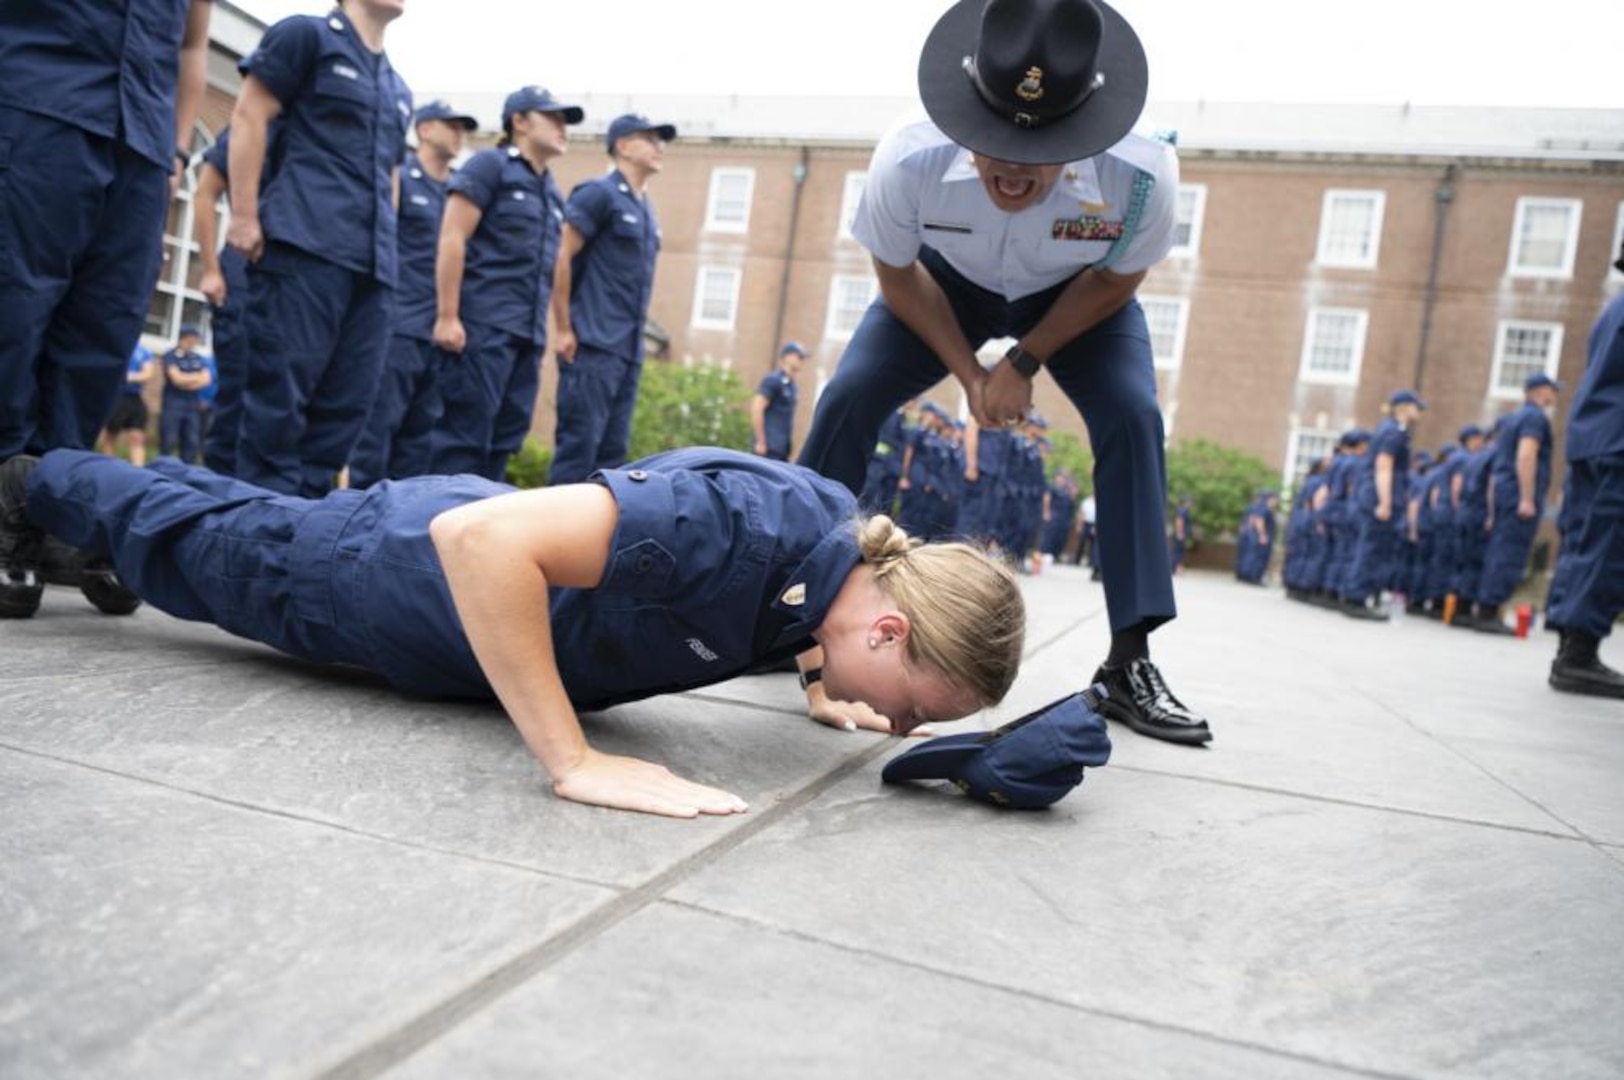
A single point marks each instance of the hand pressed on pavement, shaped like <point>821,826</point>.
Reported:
<point>624,783</point>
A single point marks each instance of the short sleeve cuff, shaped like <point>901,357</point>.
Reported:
<point>477,180</point>
<point>641,560</point>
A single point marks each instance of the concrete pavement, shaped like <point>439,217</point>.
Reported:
<point>1402,856</point>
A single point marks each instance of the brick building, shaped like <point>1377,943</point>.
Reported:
<point>1327,256</point>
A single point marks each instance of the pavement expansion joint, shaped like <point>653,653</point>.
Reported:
<point>1029,995</point>
<point>417,1033</point>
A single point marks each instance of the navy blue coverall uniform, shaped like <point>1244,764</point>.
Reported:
<point>395,441</point>
<point>885,466</point>
<point>1587,592</point>
<point>611,280</point>
<point>320,297</point>
<point>87,146</point>
<point>705,573</point>
<point>488,391</point>
<point>1375,543</point>
<point>1510,539</point>
<point>978,511</point>
<point>180,424</point>
<point>778,422</point>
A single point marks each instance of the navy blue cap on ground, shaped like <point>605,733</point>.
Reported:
<point>1026,764</point>
<point>1406,397</point>
<point>1539,379</point>
<point>793,347</point>
<point>539,99</point>
<point>631,124</point>
<point>439,110</point>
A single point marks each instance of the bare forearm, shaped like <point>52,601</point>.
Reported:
<point>448,267</point>
<point>1527,468</point>
<point>563,281</point>
<point>1384,480</point>
<point>758,417</point>
<point>245,163</point>
<point>192,78</point>
<point>1090,298</point>
<point>914,297</point>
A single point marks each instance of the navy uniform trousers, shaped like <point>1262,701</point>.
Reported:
<point>397,439</point>
<point>1587,591</point>
<point>81,240</point>
<point>1505,556</point>
<point>1108,375</point>
<point>597,395</point>
<point>228,327</point>
<point>349,579</point>
<point>487,395</point>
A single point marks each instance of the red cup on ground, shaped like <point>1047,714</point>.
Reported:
<point>1525,618</point>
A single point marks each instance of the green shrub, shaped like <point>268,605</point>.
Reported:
<point>529,467</point>
<point>690,405</point>
<point>1072,454</point>
<point>1221,482</point>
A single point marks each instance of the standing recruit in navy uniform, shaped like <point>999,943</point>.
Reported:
<point>493,281</point>
<point>395,441</point>
<point>1587,592</point>
<point>601,290</point>
<point>1024,207</point>
<point>319,239</point>
<point>97,105</point>
<point>772,406</point>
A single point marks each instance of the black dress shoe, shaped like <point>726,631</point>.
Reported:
<point>102,587</point>
<point>1578,670</point>
<point>21,584</point>
<point>1139,697</point>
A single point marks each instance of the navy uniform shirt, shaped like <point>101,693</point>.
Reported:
<point>992,452</point>
<point>1527,422</point>
<point>779,388</point>
<point>108,67</point>
<point>422,208</point>
<point>345,114</point>
<point>1596,422</point>
<point>613,276</point>
<point>1474,489</point>
<point>1388,438</point>
<point>190,363</point>
<point>507,278</point>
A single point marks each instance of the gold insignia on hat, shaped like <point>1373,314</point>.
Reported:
<point>795,595</point>
<point>1031,87</point>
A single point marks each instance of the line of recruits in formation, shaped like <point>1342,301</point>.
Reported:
<point>340,342</point>
<point>1448,535</point>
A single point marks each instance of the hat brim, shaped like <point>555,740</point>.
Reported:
<point>938,759</point>
<point>956,107</point>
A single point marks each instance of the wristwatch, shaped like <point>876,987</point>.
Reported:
<point>1022,361</point>
<point>811,676</point>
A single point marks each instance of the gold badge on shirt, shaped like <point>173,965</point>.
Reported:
<point>795,595</point>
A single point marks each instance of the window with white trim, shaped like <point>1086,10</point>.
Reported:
<point>1613,272</point>
<point>1334,346</point>
<point>1304,447</point>
<point>176,301</point>
<point>1351,228</point>
<point>1167,317</point>
<point>1544,237</point>
<point>1189,213</point>
<point>850,198</point>
<point>716,297</point>
<point>728,207</point>
<point>1521,349</point>
<point>849,298</point>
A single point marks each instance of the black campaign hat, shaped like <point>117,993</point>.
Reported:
<point>1033,82</point>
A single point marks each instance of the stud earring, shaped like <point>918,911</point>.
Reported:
<point>873,644</point>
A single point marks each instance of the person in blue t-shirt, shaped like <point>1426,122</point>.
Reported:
<point>675,573</point>
<point>772,408</point>
<point>187,374</point>
<point>601,291</point>
<point>493,283</point>
<point>98,102</point>
<point>319,237</point>
<point>396,439</point>
<point>1587,591</point>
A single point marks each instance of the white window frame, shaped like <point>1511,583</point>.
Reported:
<point>1323,256</point>
<point>851,196</point>
<point>832,331</point>
<point>1290,478</point>
<point>1613,272</point>
<point>1570,247</point>
<point>1307,374</point>
<point>1553,355</point>
<point>1176,360</point>
<point>1198,217</point>
<point>699,322</point>
<point>719,176</point>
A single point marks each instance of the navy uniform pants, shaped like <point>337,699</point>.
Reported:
<point>1587,592</point>
<point>316,339</point>
<point>397,438</point>
<point>596,397</point>
<point>1505,556</point>
<point>180,430</point>
<point>350,579</point>
<point>487,396</point>
<point>230,331</point>
<point>1375,547</point>
<point>1471,542</point>
<point>81,240</point>
<point>978,509</point>
<point>1108,375</point>
<point>1440,577</point>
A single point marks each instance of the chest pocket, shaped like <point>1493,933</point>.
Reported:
<point>516,220</point>
<point>628,231</point>
<point>341,100</point>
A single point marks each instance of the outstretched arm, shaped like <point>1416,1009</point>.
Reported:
<point>500,557</point>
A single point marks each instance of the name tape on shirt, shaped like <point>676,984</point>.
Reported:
<point>1087,227</point>
<point>342,69</point>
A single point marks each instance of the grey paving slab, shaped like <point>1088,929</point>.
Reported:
<point>317,743</point>
<point>1363,938</point>
<point>150,933</point>
<point>728,999</point>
